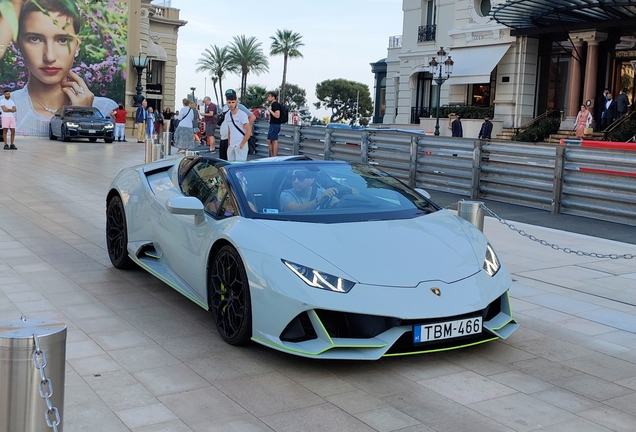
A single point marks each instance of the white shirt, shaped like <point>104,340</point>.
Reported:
<point>240,120</point>
<point>223,127</point>
<point>9,104</point>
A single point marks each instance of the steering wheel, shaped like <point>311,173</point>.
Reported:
<point>341,192</point>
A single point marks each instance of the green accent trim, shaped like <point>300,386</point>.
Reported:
<point>313,311</point>
<point>155,256</point>
<point>283,347</point>
<point>442,349</point>
<point>167,282</point>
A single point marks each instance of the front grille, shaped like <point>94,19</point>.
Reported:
<point>92,126</point>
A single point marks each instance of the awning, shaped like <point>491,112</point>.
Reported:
<point>520,14</point>
<point>156,52</point>
<point>475,64</point>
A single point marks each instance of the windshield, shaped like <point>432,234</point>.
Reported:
<point>315,191</point>
<point>86,113</point>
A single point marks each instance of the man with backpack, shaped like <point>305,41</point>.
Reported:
<point>277,115</point>
<point>210,117</point>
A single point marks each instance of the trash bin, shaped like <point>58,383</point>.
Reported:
<point>23,404</point>
<point>473,212</point>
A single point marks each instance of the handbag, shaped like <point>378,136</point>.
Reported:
<point>219,122</point>
<point>588,131</point>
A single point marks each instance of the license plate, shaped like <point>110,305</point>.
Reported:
<point>446,330</point>
<point>90,131</point>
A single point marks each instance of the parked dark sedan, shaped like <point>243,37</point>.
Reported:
<point>81,122</point>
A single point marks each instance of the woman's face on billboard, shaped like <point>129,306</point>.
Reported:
<point>48,45</point>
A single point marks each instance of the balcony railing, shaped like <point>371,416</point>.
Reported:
<point>395,41</point>
<point>426,33</point>
<point>417,112</point>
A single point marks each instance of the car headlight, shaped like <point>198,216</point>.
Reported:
<point>109,126</point>
<point>491,262</point>
<point>318,279</point>
<point>72,125</point>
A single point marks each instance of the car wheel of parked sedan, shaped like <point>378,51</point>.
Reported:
<point>230,301</point>
<point>117,234</point>
<point>63,134</point>
<point>108,140</point>
<point>92,139</point>
<point>51,136</point>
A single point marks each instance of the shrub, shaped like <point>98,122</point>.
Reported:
<point>465,111</point>
<point>539,131</point>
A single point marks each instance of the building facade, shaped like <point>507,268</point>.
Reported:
<point>521,59</point>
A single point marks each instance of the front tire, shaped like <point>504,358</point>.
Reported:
<point>108,140</point>
<point>64,136</point>
<point>51,136</point>
<point>117,234</point>
<point>92,139</point>
<point>230,300</point>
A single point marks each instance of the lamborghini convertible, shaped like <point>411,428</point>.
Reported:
<point>320,259</point>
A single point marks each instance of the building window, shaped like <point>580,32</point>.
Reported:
<point>426,31</point>
<point>423,95</point>
<point>482,7</point>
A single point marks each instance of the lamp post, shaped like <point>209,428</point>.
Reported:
<point>140,63</point>
<point>436,68</point>
<point>193,89</point>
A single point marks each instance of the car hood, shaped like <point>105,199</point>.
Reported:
<point>399,253</point>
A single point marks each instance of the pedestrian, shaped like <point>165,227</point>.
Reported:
<point>239,130</point>
<point>609,113</point>
<point>150,122</point>
<point>183,135</point>
<point>8,119</point>
<point>456,127</point>
<point>140,121</point>
<point>223,128</point>
<point>158,122</point>
<point>274,110</point>
<point>119,114</point>
<point>210,117</point>
<point>622,103</point>
<point>486,128</point>
<point>600,107</point>
<point>167,117</point>
<point>583,121</point>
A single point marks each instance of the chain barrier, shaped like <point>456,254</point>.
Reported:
<point>46,387</point>
<point>567,250</point>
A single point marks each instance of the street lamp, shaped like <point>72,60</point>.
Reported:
<point>140,63</point>
<point>193,89</point>
<point>436,68</point>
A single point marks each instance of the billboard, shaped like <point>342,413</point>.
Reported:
<point>55,53</point>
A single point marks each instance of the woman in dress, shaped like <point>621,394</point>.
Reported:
<point>150,122</point>
<point>583,120</point>
<point>49,44</point>
<point>183,135</point>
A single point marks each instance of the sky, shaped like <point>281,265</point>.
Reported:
<point>341,39</point>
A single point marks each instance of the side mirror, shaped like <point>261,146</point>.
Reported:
<point>423,193</point>
<point>57,115</point>
<point>187,206</point>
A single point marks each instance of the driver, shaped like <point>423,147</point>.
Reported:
<point>305,195</point>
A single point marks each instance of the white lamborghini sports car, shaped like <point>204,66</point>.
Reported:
<point>315,258</point>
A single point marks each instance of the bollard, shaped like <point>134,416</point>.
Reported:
<point>148,157</point>
<point>156,152</point>
<point>27,377</point>
<point>167,148</point>
<point>473,212</point>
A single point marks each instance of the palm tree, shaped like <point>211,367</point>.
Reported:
<point>217,62</point>
<point>215,80</point>
<point>247,56</point>
<point>286,42</point>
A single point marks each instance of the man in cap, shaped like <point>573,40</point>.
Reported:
<point>223,129</point>
<point>456,127</point>
<point>486,128</point>
<point>239,129</point>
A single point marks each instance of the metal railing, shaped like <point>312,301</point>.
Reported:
<point>591,182</point>
<point>537,119</point>
<point>617,123</point>
<point>426,33</point>
<point>395,41</point>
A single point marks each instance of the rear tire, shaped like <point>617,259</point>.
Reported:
<point>117,234</point>
<point>230,300</point>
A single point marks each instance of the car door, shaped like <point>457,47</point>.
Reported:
<point>185,244</point>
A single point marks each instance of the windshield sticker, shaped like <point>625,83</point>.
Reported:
<point>270,210</point>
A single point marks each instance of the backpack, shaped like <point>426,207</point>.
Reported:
<point>284,114</point>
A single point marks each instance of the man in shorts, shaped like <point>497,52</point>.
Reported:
<point>8,120</point>
<point>274,123</point>
<point>210,118</point>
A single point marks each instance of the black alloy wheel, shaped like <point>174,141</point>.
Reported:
<point>230,300</point>
<point>117,234</point>
<point>108,140</point>
<point>92,139</point>
<point>63,134</point>
<point>51,136</point>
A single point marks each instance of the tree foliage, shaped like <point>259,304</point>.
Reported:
<point>287,44</point>
<point>295,97</point>
<point>247,56</point>
<point>217,62</point>
<point>255,96</point>
<point>349,101</point>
